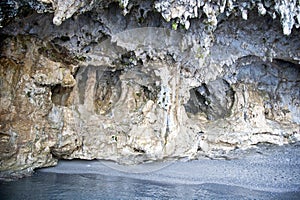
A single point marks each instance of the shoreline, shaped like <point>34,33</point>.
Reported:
<point>276,170</point>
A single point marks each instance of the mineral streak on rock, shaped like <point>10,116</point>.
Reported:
<point>106,84</point>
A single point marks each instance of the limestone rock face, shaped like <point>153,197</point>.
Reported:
<point>102,85</point>
<point>26,135</point>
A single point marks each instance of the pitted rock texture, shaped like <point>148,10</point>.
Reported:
<point>180,11</point>
<point>132,89</point>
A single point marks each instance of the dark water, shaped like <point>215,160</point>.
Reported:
<point>273,174</point>
<point>44,185</point>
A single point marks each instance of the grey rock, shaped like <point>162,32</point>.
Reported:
<point>116,82</point>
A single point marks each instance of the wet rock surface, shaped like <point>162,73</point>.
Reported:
<point>130,88</point>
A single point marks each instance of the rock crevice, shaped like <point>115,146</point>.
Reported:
<point>130,88</point>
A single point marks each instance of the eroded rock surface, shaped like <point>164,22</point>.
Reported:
<point>130,89</point>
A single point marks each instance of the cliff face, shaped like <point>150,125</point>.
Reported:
<point>134,82</point>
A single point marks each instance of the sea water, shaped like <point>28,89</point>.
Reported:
<point>43,185</point>
<point>273,173</point>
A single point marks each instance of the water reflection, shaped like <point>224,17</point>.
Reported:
<point>91,186</point>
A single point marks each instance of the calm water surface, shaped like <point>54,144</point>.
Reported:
<point>94,186</point>
<point>273,174</point>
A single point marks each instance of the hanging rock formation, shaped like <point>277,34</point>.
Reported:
<point>134,81</point>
